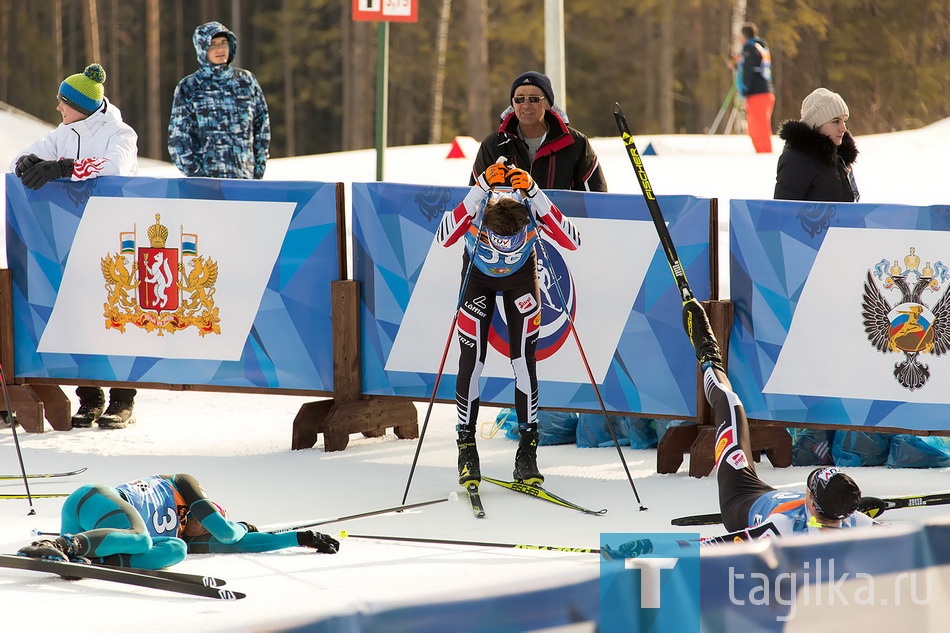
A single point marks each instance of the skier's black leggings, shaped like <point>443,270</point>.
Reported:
<point>522,308</point>
<point>739,485</point>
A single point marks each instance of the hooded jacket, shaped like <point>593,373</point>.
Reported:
<point>812,167</point>
<point>100,145</point>
<point>565,159</point>
<point>219,125</point>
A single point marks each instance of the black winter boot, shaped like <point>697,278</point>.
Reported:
<point>526,459</point>
<point>92,401</point>
<point>469,469</point>
<point>119,414</point>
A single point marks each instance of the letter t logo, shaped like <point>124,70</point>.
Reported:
<point>650,571</point>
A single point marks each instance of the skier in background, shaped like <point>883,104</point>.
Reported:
<point>754,83</point>
<point>154,522</point>
<point>499,258</point>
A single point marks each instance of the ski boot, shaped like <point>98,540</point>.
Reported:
<point>59,549</point>
<point>526,459</point>
<point>696,324</point>
<point>469,469</point>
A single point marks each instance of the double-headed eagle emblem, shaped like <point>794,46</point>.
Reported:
<point>909,327</point>
<point>152,289</point>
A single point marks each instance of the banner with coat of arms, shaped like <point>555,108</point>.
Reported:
<point>842,313</point>
<point>111,283</point>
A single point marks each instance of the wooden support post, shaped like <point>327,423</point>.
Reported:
<point>33,404</point>
<point>348,412</point>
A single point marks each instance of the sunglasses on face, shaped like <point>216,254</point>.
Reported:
<point>531,99</point>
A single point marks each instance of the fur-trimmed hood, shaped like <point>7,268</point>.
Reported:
<point>806,139</point>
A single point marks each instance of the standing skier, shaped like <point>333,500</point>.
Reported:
<point>500,232</point>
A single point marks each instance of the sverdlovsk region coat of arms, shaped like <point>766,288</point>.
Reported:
<point>909,327</point>
<point>151,289</point>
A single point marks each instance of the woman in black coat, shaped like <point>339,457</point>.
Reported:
<point>816,163</point>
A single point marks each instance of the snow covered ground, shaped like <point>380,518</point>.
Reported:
<point>239,447</point>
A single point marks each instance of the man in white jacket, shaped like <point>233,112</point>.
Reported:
<point>92,141</point>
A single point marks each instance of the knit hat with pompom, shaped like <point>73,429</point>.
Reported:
<point>84,92</point>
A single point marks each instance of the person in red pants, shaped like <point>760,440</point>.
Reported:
<point>754,82</point>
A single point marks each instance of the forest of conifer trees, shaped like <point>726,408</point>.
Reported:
<point>665,60</point>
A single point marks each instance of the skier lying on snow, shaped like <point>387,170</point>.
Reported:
<point>155,522</point>
<point>752,509</point>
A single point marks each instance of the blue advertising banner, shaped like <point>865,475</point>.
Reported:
<point>176,281</point>
<point>616,287</point>
<point>842,313</point>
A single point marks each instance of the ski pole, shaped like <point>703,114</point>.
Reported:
<point>676,267</point>
<point>453,497</point>
<point>437,541</point>
<point>16,440</point>
<point>580,349</point>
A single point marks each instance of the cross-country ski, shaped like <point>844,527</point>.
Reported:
<point>119,575</point>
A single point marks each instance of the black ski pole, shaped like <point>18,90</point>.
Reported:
<point>679,275</point>
<point>16,440</point>
<point>437,541</point>
<point>580,349</point>
<point>400,508</point>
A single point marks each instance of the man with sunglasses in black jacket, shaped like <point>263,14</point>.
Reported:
<point>535,136</point>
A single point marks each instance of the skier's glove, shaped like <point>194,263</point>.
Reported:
<point>496,174</point>
<point>24,163</point>
<point>45,171</point>
<point>321,542</point>
<point>521,180</point>
<point>250,528</point>
<point>632,549</point>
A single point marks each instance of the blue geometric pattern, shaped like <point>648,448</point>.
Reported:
<point>289,344</point>
<point>773,247</point>
<point>653,368</point>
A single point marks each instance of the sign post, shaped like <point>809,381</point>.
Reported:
<point>383,12</point>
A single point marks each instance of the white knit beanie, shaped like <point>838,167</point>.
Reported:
<point>821,106</point>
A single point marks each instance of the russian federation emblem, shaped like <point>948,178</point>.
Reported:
<point>908,327</point>
<point>152,288</point>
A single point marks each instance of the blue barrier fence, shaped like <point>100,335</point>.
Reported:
<point>617,285</point>
<point>176,281</point>
<point>842,315</point>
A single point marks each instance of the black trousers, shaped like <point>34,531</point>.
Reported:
<point>739,485</point>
